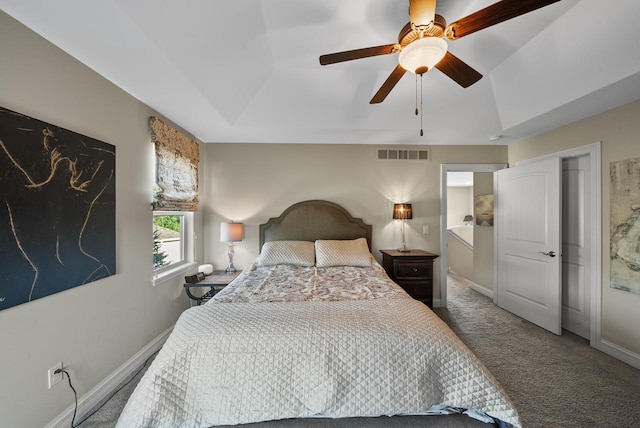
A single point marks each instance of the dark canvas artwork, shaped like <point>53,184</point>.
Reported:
<point>57,209</point>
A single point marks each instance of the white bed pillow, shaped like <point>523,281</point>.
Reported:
<point>353,252</point>
<point>298,253</point>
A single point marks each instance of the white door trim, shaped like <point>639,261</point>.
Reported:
<point>444,169</point>
<point>595,256</point>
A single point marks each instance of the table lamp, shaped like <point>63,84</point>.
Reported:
<point>231,232</point>
<point>402,212</point>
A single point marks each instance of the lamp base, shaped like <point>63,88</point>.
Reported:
<point>230,268</point>
<point>404,248</point>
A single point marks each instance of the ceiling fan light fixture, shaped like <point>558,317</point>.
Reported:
<point>423,54</point>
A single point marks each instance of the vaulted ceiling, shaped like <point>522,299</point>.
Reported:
<point>248,70</point>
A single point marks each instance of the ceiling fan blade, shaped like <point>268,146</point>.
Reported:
<point>458,70</point>
<point>422,12</point>
<point>492,15</point>
<point>388,85</point>
<point>357,54</point>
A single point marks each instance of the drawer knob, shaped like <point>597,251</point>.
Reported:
<point>415,269</point>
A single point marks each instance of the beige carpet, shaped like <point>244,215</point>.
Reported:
<point>555,381</point>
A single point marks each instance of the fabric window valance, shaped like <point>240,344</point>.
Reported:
<point>177,158</point>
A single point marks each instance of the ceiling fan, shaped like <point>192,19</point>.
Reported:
<point>422,46</point>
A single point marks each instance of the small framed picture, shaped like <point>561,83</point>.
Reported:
<point>484,210</point>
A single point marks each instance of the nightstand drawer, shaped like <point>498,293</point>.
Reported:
<point>418,289</point>
<point>413,269</point>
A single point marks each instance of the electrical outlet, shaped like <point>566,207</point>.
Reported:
<point>55,377</point>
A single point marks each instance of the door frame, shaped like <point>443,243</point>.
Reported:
<point>595,254</point>
<point>444,169</point>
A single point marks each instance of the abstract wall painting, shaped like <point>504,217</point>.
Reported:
<point>57,209</point>
<point>625,225</point>
<point>484,210</point>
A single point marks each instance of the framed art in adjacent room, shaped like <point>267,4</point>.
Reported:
<point>484,210</point>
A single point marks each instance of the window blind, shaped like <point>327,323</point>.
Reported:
<point>177,158</point>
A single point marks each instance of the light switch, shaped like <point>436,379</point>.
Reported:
<point>425,230</point>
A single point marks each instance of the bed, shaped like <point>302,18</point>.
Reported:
<point>315,329</point>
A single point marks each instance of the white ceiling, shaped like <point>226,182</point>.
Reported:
<point>248,70</point>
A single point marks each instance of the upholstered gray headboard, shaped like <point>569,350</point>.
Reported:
<point>311,220</point>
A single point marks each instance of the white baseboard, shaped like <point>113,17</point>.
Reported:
<point>620,353</point>
<point>102,390</point>
<point>482,290</point>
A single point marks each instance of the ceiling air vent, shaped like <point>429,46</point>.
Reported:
<point>403,154</point>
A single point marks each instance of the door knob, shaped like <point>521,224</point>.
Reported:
<point>550,253</point>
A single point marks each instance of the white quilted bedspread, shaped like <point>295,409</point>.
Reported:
<point>237,363</point>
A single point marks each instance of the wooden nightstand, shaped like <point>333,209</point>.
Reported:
<point>411,270</point>
<point>216,282</point>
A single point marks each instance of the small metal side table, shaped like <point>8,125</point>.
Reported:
<point>216,282</point>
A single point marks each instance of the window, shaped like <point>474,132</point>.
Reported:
<point>171,240</point>
<point>175,198</point>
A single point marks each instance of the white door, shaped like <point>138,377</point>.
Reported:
<point>528,221</point>
<point>576,242</point>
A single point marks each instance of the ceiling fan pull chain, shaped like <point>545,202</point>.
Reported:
<point>421,106</point>
<point>416,94</point>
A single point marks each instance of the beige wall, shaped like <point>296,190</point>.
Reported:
<point>459,258</point>
<point>94,328</point>
<point>253,182</point>
<point>459,204</point>
<point>482,236</point>
<point>619,132</point>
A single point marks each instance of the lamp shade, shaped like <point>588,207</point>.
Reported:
<point>402,212</point>
<point>423,54</point>
<point>468,218</point>
<point>231,232</point>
